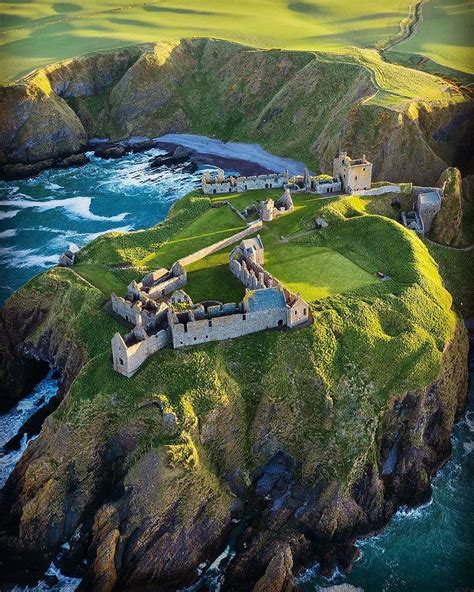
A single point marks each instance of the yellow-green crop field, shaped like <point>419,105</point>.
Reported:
<point>35,33</point>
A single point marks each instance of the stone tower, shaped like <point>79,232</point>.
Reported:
<point>266,210</point>
<point>355,174</point>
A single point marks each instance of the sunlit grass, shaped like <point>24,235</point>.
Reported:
<point>38,33</point>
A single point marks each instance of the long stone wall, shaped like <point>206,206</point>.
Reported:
<point>226,327</point>
<point>251,229</point>
<point>252,275</point>
<point>378,190</point>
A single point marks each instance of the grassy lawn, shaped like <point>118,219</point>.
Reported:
<point>445,35</point>
<point>102,278</point>
<point>211,279</point>
<point>38,33</point>
<point>313,271</point>
<point>214,225</point>
<point>316,272</point>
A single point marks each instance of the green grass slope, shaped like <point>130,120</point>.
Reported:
<point>318,391</point>
<point>38,33</point>
<point>444,35</point>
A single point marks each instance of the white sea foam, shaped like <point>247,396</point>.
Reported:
<point>13,258</point>
<point>8,233</point>
<point>8,214</point>
<point>53,186</point>
<point>75,206</point>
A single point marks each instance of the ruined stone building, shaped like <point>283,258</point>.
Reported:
<point>222,184</point>
<point>268,209</point>
<point>150,307</point>
<point>427,205</point>
<point>354,174</point>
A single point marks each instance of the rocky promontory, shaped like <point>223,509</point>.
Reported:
<point>307,439</point>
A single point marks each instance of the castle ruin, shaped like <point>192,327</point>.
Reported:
<point>222,184</point>
<point>161,314</point>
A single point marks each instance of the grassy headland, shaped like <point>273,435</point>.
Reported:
<point>330,382</point>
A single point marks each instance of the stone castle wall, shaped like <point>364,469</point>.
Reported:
<point>226,327</point>
<point>127,359</point>
<point>379,190</point>
<point>241,184</point>
<point>254,227</point>
<point>252,275</point>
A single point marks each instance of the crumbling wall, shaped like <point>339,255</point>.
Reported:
<point>226,327</point>
<point>251,229</point>
<point>127,359</point>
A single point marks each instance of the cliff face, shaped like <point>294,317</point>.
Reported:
<point>299,104</point>
<point>153,521</point>
<point>144,476</point>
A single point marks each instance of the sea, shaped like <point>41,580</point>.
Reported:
<point>428,549</point>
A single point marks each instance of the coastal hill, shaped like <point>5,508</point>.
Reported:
<point>412,125</point>
<point>312,437</point>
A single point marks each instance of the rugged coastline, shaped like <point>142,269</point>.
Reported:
<point>290,522</point>
<point>134,92</point>
<point>296,435</point>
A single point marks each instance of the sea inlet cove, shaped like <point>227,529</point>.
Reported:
<point>237,296</point>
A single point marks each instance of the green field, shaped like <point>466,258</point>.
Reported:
<point>39,33</point>
<point>445,34</point>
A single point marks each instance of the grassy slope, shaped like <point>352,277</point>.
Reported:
<point>35,34</point>
<point>445,35</point>
<point>329,382</point>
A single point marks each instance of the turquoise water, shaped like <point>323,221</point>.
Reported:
<point>43,216</point>
<point>428,549</point>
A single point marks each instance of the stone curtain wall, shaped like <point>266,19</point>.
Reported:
<point>253,276</point>
<point>378,190</point>
<point>226,327</point>
<point>251,229</point>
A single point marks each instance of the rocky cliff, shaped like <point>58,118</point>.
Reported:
<point>300,104</point>
<point>307,436</point>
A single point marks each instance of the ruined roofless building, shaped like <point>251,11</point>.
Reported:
<point>355,174</point>
<point>222,184</point>
<point>427,206</point>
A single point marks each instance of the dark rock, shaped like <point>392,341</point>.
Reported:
<point>75,160</point>
<point>10,172</point>
<point>109,152</point>
<point>142,146</point>
<point>51,580</point>
<point>181,153</point>
<point>179,156</point>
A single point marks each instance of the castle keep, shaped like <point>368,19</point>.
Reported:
<point>354,174</point>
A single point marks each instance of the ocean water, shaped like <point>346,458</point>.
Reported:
<point>43,216</point>
<point>427,549</point>
<point>430,548</point>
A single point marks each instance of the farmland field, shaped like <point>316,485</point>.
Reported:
<point>445,34</point>
<point>42,32</point>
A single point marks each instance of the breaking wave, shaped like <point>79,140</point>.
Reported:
<point>8,233</point>
<point>75,206</point>
<point>8,214</point>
